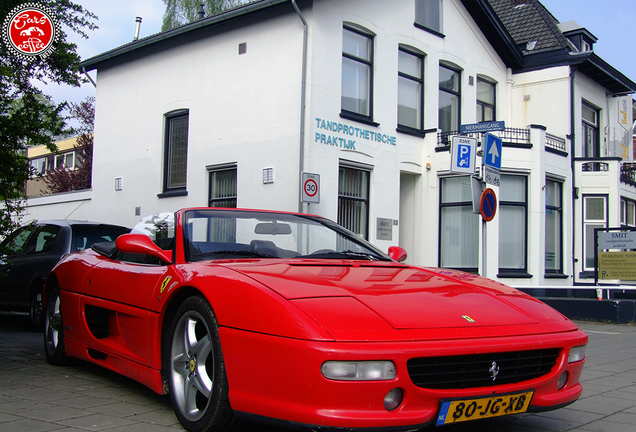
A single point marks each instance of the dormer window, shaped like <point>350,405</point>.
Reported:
<point>582,39</point>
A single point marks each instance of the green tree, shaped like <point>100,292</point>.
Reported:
<point>180,12</point>
<point>27,115</point>
<point>63,179</point>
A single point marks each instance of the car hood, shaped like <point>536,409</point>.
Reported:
<point>355,298</point>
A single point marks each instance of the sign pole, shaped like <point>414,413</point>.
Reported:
<point>484,248</point>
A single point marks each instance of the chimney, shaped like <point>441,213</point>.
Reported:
<point>137,27</point>
<point>201,13</point>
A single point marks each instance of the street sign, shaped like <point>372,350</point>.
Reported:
<point>482,127</point>
<point>310,186</point>
<point>492,151</point>
<point>488,204</point>
<point>492,176</point>
<point>463,151</point>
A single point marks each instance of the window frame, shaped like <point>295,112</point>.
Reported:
<point>467,207</point>
<point>168,190</point>
<point>591,150</point>
<point>360,168</point>
<point>369,65</point>
<point>421,7</point>
<point>557,207</point>
<point>417,131</point>
<point>505,272</point>
<point>628,213</point>
<point>589,271</point>
<point>212,185</point>
<point>457,93</point>
<point>483,105</point>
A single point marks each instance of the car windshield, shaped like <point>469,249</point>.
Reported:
<point>221,234</point>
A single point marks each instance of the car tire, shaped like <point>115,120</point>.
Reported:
<point>36,309</point>
<point>54,330</point>
<point>196,376</point>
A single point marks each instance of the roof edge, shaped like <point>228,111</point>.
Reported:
<point>93,62</point>
<point>496,33</point>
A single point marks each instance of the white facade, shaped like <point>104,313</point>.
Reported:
<point>245,110</point>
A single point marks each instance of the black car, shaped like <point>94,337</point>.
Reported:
<point>30,252</point>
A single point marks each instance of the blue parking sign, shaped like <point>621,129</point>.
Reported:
<point>463,150</point>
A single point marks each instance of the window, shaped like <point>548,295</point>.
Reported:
<point>223,188</point>
<point>69,160</point>
<point>46,164</point>
<point>449,99</point>
<point>590,131</point>
<point>485,100</point>
<point>513,218</point>
<point>38,166</point>
<point>628,213</point>
<point>594,216</point>
<point>553,227</point>
<point>410,91</point>
<point>357,75</point>
<point>353,200</point>
<point>176,153</point>
<point>428,15</point>
<point>459,226</point>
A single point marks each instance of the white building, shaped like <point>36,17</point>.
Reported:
<point>231,109</point>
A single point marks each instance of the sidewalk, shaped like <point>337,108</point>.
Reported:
<point>35,396</point>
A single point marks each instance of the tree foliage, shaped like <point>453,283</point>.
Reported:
<point>180,12</point>
<point>27,115</point>
<point>62,179</point>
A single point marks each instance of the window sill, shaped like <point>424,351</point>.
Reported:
<point>173,193</point>
<point>511,274</point>
<point>420,133</point>
<point>556,276</point>
<point>358,118</point>
<point>430,30</point>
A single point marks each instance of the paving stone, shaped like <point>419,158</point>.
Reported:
<point>36,396</point>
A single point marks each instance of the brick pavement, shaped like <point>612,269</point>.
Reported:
<point>35,396</point>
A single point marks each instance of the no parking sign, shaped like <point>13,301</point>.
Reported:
<point>310,188</point>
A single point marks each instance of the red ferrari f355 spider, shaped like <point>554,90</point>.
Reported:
<point>291,319</point>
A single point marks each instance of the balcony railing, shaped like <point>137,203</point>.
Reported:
<point>555,143</point>
<point>628,174</point>
<point>512,137</point>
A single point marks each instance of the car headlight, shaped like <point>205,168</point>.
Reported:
<point>359,370</point>
<point>577,354</point>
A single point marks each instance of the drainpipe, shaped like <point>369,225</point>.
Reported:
<point>573,167</point>
<point>303,98</point>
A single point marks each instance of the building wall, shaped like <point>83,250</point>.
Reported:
<point>246,110</point>
<point>241,108</point>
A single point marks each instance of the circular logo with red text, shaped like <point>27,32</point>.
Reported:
<point>31,31</point>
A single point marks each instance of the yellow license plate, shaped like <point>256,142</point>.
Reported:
<point>459,410</point>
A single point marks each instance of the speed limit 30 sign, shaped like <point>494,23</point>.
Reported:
<point>310,188</point>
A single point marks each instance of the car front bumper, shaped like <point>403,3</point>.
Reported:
<point>280,378</point>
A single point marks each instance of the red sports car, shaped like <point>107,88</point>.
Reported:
<point>291,319</point>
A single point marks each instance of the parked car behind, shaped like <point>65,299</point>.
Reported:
<point>30,252</point>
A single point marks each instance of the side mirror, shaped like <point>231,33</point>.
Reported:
<point>397,253</point>
<point>141,244</point>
